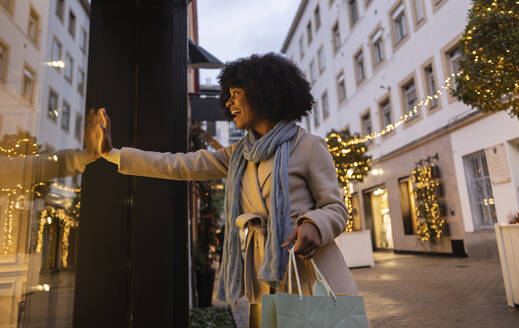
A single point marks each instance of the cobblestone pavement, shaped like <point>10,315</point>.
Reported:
<point>429,291</point>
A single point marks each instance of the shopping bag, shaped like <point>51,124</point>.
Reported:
<point>287,310</point>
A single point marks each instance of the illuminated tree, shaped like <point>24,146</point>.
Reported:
<point>490,61</point>
<point>351,162</point>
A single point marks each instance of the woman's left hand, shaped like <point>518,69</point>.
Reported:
<point>307,238</point>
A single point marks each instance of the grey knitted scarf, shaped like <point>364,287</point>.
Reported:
<point>277,142</point>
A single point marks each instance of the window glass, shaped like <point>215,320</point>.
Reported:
<point>321,60</point>
<point>317,18</point>
<point>326,107</point>
<point>41,138</point>
<point>341,87</point>
<point>336,37</point>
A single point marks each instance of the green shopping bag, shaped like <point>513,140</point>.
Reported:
<point>325,310</point>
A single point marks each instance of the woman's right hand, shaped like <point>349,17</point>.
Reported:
<point>105,127</point>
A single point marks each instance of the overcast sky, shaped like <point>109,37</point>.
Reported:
<point>230,29</point>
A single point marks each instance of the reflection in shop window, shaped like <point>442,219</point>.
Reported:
<point>52,108</point>
<point>65,116</point>
<point>56,52</point>
<point>69,67</point>
<point>72,24</point>
<point>28,83</point>
<point>355,213</point>
<point>80,81</point>
<point>79,124</point>
<point>83,40</point>
<point>4,51</point>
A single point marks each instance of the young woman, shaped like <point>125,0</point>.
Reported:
<point>280,182</point>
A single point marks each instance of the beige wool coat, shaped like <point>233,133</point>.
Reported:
<point>314,195</point>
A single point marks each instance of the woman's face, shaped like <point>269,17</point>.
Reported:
<point>243,115</point>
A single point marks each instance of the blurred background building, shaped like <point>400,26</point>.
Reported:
<point>384,68</point>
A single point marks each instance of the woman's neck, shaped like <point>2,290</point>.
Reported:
<point>263,127</point>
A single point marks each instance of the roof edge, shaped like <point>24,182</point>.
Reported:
<point>295,22</point>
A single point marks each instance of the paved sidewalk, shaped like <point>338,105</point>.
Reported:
<point>429,291</point>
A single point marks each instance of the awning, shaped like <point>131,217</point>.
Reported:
<point>201,58</point>
<point>205,108</point>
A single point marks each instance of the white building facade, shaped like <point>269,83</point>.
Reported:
<point>382,68</point>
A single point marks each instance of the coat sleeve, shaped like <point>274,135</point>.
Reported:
<point>330,214</point>
<point>198,165</point>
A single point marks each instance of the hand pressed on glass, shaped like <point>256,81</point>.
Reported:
<point>98,133</point>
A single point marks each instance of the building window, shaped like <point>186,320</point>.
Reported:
<point>4,53</point>
<point>431,85</point>
<point>410,99</point>
<point>52,105</point>
<point>317,18</point>
<point>341,87</point>
<point>301,47</point>
<point>8,5</point>
<point>69,67</point>
<point>79,126</point>
<point>385,113</point>
<point>313,71</point>
<point>366,124</point>
<point>419,12</point>
<point>454,64</point>
<point>81,82</point>
<point>377,46</point>
<point>308,125</point>
<point>336,37</point>
<point>72,24</point>
<point>399,24</point>
<point>309,32</point>
<point>317,116</point>
<point>28,83</point>
<point>437,4</point>
<point>33,26</point>
<point>60,9</point>
<point>326,107</point>
<point>65,116</point>
<point>321,61</point>
<point>56,52</point>
<point>407,204</point>
<point>83,40</point>
<point>360,73</point>
<point>354,11</point>
<point>479,187</point>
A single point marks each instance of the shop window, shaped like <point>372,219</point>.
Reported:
<point>355,212</point>
<point>407,205</point>
<point>479,188</point>
<point>378,218</point>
